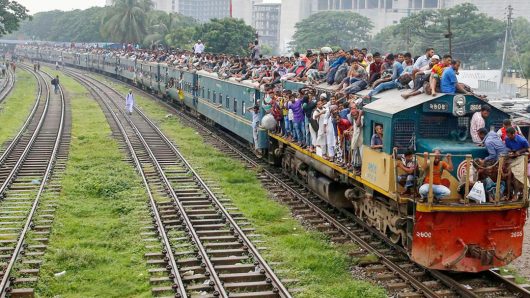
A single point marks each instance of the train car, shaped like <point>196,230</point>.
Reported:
<point>451,235</point>
<point>456,234</point>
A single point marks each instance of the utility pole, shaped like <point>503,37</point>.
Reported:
<point>449,35</point>
<point>508,26</point>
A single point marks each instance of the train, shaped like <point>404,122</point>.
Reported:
<point>455,235</point>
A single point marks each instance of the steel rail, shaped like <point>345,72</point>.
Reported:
<point>177,279</point>
<point>14,170</point>
<point>17,137</point>
<point>29,220</point>
<point>7,86</point>
<point>282,290</point>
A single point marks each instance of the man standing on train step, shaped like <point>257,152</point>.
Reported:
<point>129,102</point>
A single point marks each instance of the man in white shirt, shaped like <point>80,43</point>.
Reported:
<point>129,102</point>
<point>198,48</point>
<point>478,122</point>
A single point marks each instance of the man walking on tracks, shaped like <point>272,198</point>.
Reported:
<point>129,102</point>
<point>55,83</point>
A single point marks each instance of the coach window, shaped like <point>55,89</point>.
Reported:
<point>220,98</point>
<point>376,141</point>
<point>214,97</point>
<point>209,98</point>
<point>243,108</point>
<point>202,92</point>
<point>235,105</point>
<point>227,102</point>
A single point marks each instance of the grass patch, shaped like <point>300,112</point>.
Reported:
<point>509,270</point>
<point>14,110</point>
<point>322,268</point>
<point>96,233</point>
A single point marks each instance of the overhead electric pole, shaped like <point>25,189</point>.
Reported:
<point>508,26</point>
<point>449,35</point>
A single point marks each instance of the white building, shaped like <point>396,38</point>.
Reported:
<point>266,21</point>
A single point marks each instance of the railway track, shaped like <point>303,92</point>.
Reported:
<point>392,268</point>
<point>29,173</point>
<point>199,245</point>
<point>7,85</point>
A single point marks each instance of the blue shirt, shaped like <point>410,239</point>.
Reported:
<point>516,144</point>
<point>397,70</point>
<point>376,140</point>
<point>338,62</point>
<point>344,113</point>
<point>494,145</point>
<point>448,81</point>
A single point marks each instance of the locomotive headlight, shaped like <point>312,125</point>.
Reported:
<point>459,105</point>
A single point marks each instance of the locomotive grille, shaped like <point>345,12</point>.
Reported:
<point>403,133</point>
<point>436,126</point>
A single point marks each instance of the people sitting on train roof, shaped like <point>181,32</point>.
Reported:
<point>439,186</point>
<point>478,121</point>
<point>437,72</point>
<point>406,162</point>
<point>493,144</point>
<point>376,142</point>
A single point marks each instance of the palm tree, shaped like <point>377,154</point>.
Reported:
<point>126,21</point>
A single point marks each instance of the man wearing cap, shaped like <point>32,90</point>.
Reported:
<point>437,71</point>
<point>421,79</point>
<point>198,48</point>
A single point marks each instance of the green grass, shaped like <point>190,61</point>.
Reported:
<point>15,109</point>
<point>321,268</point>
<point>96,233</point>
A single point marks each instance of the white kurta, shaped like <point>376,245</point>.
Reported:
<point>322,121</point>
<point>331,139</point>
<point>129,102</point>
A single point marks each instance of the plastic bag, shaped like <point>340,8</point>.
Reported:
<point>477,193</point>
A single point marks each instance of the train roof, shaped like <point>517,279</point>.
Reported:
<point>390,102</point>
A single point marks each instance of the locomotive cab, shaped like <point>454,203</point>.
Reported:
<point>454,233</point>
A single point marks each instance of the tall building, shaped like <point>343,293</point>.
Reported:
<point>293,11</point>
<point>266,18</point>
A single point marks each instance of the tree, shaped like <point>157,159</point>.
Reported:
<point>126,21</point>
<point>520,34</point>
<point>332,28</point>
<point>11,14</point>
<point>174,30</point>
<point>76,26</point>
<point>227,36</point>
<point>476,39</point>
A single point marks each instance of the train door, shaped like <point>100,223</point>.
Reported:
<point>195,89</point>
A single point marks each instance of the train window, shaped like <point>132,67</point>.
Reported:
<point>235,105</point>
<point>243,108</point>
<point>202,92</point>
<point>227,102</point>
<point>220,98</point>
<point>214,97</point>
<point>209,94</point>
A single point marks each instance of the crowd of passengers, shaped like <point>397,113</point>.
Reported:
<point>331,125</point>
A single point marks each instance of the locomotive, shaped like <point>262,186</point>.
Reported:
<point>455,235</point>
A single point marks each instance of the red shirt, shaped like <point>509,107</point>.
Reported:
<point>343,125</point>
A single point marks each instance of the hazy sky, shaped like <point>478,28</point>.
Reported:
<point>35,6</point>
